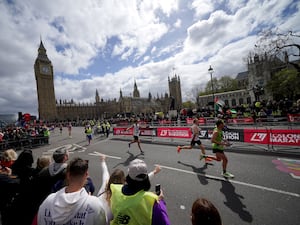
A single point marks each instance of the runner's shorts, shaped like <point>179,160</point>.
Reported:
<point>195,142</point>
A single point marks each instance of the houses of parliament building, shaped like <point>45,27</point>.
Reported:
<point>51,109</point>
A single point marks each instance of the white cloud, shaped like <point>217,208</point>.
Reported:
<point>202,7</point>
<point>137,39</point>
<point>177,24</point>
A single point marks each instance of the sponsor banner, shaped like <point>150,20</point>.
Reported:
<point>274,137</point>
<point>174,132</point>
<point>165,122</point>
<point>247,120</point>
<point>148,132</point>
<point>189,121</point>
<point>143,131</point>
<point>122,131</point>
<point>294,117</point>
<point>236,135</point>
<point>201,120</point>
<point>260,136</point>
<point>285,137</point>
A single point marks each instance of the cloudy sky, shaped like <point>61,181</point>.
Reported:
<point>107,44</point>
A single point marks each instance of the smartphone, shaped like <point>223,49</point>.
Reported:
<point>157,189</point>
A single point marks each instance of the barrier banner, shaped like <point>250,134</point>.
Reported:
<point>294,117</point>
<point>229,134</point>
<point>143,131</point>
<point>285,137</point>
<point>122,131</point>
<point>247,120</point>
<point>201,120</point>
<point>274,137</point>
<point>174,132</point>
<point>189,121</point>
<point>260,136</point>
<point>148,132</point>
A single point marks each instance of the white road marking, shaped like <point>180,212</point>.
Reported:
<point>79,146</point>
<point>108,156</point>
<point>235,181</point>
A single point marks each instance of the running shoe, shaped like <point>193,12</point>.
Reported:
<point>128,145</point>
<point>178,149</point>
<point>142,152</point>
<point>228,175</point>
<point>208,160</point>
<point>202,157</point>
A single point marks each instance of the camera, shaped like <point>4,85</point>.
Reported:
<point>157,189</point>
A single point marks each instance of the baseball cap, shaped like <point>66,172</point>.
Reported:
<point>137,167</point>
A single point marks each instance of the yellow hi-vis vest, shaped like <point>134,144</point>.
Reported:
<point>89,131</point>
<point>131,209</point>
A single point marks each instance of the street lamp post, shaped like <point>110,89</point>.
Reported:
<point>210,71</point>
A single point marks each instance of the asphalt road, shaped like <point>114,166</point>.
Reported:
<point>265,190</point>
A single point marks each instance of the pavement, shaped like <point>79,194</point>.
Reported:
<point>238,147</point>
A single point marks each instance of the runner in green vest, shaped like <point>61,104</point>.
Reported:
<point>218,144</point>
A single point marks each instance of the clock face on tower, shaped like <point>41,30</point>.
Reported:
<point>45,69</point>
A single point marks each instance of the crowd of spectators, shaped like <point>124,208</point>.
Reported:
<point>268,111</point>
<point>28,197</point>
<point>17,137</point>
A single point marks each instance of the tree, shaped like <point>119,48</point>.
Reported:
<point>208,87</point>
<point>285,46</point>
<point>285,84</point>
<point>226,83</point>
<point>189,105</point>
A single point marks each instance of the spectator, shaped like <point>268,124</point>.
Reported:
<point>204,212</point>
<point>132,203</point>
<point>42,184</point>
<point>42,162</point>
<point>89,185</point>
<point>104,193</point>
<point>48,176</point>
<point>117,177</point>
<point>22,167</point>
<point>22,174</point>
<point>72,204</point>
<point>8,157</point>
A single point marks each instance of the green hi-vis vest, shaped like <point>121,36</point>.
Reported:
<point>46,133</point>
<point>89,131</point>
<point>131,209</point>
<point>218,139</point>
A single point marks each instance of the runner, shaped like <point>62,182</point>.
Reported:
<point>136,133</point>
<point>196,140</point>
<point>88,131</point>
<point>218,144</point>
<point>70,129</point>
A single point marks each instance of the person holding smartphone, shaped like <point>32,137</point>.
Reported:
<point>133,203</point>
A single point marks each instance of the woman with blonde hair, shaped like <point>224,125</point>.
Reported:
<point>8,158</point>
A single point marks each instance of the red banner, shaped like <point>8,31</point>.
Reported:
<point>274,137</point>
<point>285,137</point>
<point>174,132</point>
<point>247,120</point>
<point>294,117</point>
<point>143,131</point>
<point>189,120</point>
<point>122,131</point>
<point>201,120</point>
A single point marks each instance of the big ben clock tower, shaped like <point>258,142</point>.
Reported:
<point>43,71</point>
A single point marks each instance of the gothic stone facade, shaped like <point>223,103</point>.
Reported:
<point>50,109</point>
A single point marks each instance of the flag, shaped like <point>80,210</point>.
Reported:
<point>219,105</point>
